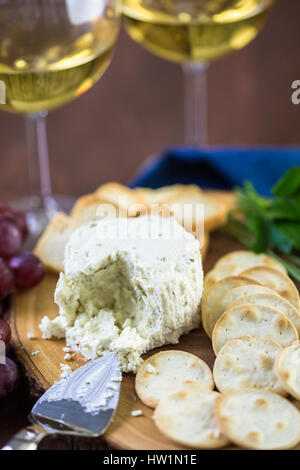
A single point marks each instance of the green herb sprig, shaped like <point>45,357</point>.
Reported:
<point>270,226</point>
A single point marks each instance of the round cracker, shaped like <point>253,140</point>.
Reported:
<point>258,419</point>
<point>258,321</point>
<point>236,262</point>
<point>167,371</point>
<point>231,296</point>
<point>271,299</point>
<point>216,275</point>
<point>275,280</point>
<point>248,362</point>
<point>212,307</point>
<point>188,417</point>
<point>237,293</point>
<point>247,259</point>
<point>287,367</point>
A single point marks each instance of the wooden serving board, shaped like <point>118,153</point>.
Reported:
<point>42,370</point>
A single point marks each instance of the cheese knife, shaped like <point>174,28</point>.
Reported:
<point>82,404</point>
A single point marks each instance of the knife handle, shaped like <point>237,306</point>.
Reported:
<point>26,439</point>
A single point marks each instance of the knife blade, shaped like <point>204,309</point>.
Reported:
<point>82,404</point>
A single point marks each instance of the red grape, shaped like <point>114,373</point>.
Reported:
<point>10,237</point>
<point>6,280</point>
<point>17,217</point>
<point>28,270</point>
<point>9,378</point>
<point>5,332</point>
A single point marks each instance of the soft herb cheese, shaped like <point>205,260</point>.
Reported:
<point>129,285</point>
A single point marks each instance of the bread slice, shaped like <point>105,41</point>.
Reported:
<point>258,419</point>
<point>90,207</point>
<point>216,203</point>
<point>101,204</point>
<point>258,321</point>
<point>51,245</point>
<point>159,195</point>
<point>188,417</point>
<point>288,369</point>
<point>227,198</point>
<point>248,362</point>
<point>192,196</point>
<point>129,202</point>
<point>110,200</point>
<point>166,372</point>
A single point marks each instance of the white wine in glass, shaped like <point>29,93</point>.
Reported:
<point>194,33</point>
<point>51,52</point>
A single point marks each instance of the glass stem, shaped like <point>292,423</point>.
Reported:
<point>36,133</point>
<point>195,105</point>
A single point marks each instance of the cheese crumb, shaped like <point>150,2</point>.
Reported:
<point>35,353</point>
<point>30,335</point>
<point>67,349</point>
<point>52,328</point>
<point>137,413</point>
<point>66,370</point>
<point>68,357</point>
<point>150,369</point>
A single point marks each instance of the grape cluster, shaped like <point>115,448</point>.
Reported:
<point>9,372</point>
<point>18,270</point>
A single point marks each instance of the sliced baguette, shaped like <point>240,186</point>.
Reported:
<point>51,245</point>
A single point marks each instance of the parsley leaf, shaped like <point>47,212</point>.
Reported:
<point>270,225</point>
<point>289,184</point>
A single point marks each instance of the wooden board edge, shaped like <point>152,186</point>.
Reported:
<point>36,382</point>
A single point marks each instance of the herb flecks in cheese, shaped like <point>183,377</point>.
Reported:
<point>129,286</point>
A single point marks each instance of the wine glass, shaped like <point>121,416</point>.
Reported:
<point>194,33</point>
<point>51,52</point>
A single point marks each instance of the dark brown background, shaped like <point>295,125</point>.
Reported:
<point>137,109</point>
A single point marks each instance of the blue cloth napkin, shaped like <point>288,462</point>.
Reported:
<point>220,168</point>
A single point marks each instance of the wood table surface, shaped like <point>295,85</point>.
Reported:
<point>136,110</point>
